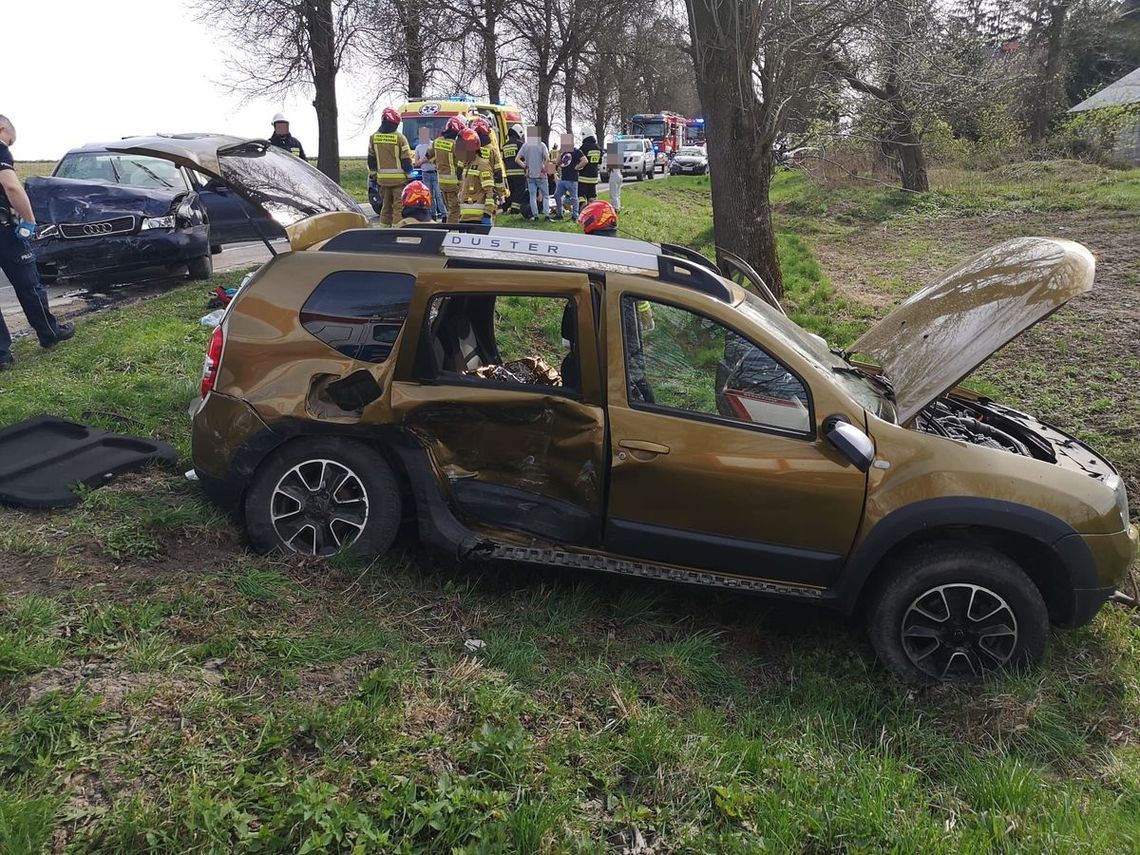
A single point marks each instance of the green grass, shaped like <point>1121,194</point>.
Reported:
<point>161,689</point>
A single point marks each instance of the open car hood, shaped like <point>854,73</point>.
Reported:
<point>287,188</point>
<point>939,335</point>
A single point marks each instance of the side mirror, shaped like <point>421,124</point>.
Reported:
<point>849,441</point>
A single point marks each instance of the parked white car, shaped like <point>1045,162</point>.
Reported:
<point>637,158</point>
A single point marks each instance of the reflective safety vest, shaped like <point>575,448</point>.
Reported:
<point>444,151</point>
<point>589,173</point>
<point>510,152</point>
<point>391,149</point>
<point>494,157</point>
<point>477,198</point>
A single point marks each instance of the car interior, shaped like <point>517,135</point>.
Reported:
<point>497,339</point>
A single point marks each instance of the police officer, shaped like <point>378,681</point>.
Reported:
<point>283,139</point>
<point>588,177</point>
<point>17,227</point>
<point>389,164</point>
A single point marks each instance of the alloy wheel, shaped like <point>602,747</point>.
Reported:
<point>319,507</point>
<point>959,630</point>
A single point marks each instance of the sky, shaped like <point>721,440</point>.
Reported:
<point>79,71</point>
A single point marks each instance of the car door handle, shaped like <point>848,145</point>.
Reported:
<point>642,445</point>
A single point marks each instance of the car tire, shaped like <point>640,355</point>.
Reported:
<point>201,268</point>
<point>956,612</point>
<point>215,249</point>
<point>337,476</point>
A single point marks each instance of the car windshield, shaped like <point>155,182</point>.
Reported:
<point>650,129</point>
<point>631,145</point>
<point>130,170</point>
<point>691,152</point>
<point>814,349</point>
<point>410,127</point>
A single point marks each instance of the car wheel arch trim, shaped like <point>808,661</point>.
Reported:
<point>932,515</point>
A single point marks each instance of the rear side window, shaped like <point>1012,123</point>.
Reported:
<point>359,313</point>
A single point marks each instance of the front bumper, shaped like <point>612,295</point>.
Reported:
<point>120,256</point>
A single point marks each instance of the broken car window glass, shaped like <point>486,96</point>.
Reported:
<point>506,339</point>
<point>359,313</point>
<point>681,361</point>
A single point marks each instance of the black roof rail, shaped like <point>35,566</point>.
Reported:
<point>690,275</point>
<point>689,254</point>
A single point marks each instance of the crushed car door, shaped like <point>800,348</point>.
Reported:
<point>717,459</point>
<point>501,385</point>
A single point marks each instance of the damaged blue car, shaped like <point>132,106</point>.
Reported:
<point>113,217</point>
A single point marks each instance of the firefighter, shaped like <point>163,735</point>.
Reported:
<point>416,202</point>
<point>448,167</point>
<point>389,164</point>
<point>491,153</point>
<point>477,196</point>
<point>600,219</point>
<point>588,176</point>
<point>516,177</point>
<point>283,139</point>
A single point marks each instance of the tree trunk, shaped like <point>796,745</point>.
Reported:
<point>543,107</point>
<point>740,155</point>
<point>912,161</point>
<point>413,40</point>
<point>1050,72</point>
<point>491,51</point>
<point>322,41</point>
<point>571,76</point>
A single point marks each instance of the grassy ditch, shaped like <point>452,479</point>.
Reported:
<point>162,689</point>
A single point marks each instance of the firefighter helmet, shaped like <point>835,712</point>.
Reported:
<point>598,216</point>
<point>456,124</point>
<point>416,195</point>
<point>280,117</point>
<point>518,129</point>
<point>481,126</point>
<point>469,136</point>
<point>390,115</point>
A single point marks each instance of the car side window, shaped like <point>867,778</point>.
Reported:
<point>680,361</point>
<point>359,312</point>
<point>509,339</point>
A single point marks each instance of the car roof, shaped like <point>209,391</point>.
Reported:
<point>551,250</point>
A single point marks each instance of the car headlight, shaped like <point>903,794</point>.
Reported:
<point>1116,484</point>
<point>158,223</point>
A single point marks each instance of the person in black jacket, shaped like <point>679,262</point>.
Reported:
<point>283,139</point>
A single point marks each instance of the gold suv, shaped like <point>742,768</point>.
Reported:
<point>627,407</point>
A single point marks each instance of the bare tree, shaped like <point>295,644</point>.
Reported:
<point>752,59</point>
<point>288,45</point>
<point>486,21</point>
<point>405,43</point>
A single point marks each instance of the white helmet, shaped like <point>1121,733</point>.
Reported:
<point>517,128</point>
<point>280,117</point>
<point>586,132</point>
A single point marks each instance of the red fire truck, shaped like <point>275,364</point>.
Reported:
<point>695,131</point>
<point>665,130</point>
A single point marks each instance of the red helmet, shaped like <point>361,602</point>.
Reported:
<point>390,115</point>
<point>481,126</point>
<point>469,136</point>
<point>456,123</point>
<point>416,195</point>
<point>598,216</point>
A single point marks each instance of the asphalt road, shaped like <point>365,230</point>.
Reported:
<point>73,299</point>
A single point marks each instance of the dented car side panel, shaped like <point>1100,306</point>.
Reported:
<point>520,458</point>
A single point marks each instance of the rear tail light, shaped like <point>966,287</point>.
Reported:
<point>213,358</point>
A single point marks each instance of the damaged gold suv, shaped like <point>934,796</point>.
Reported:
<point>627,407</point>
